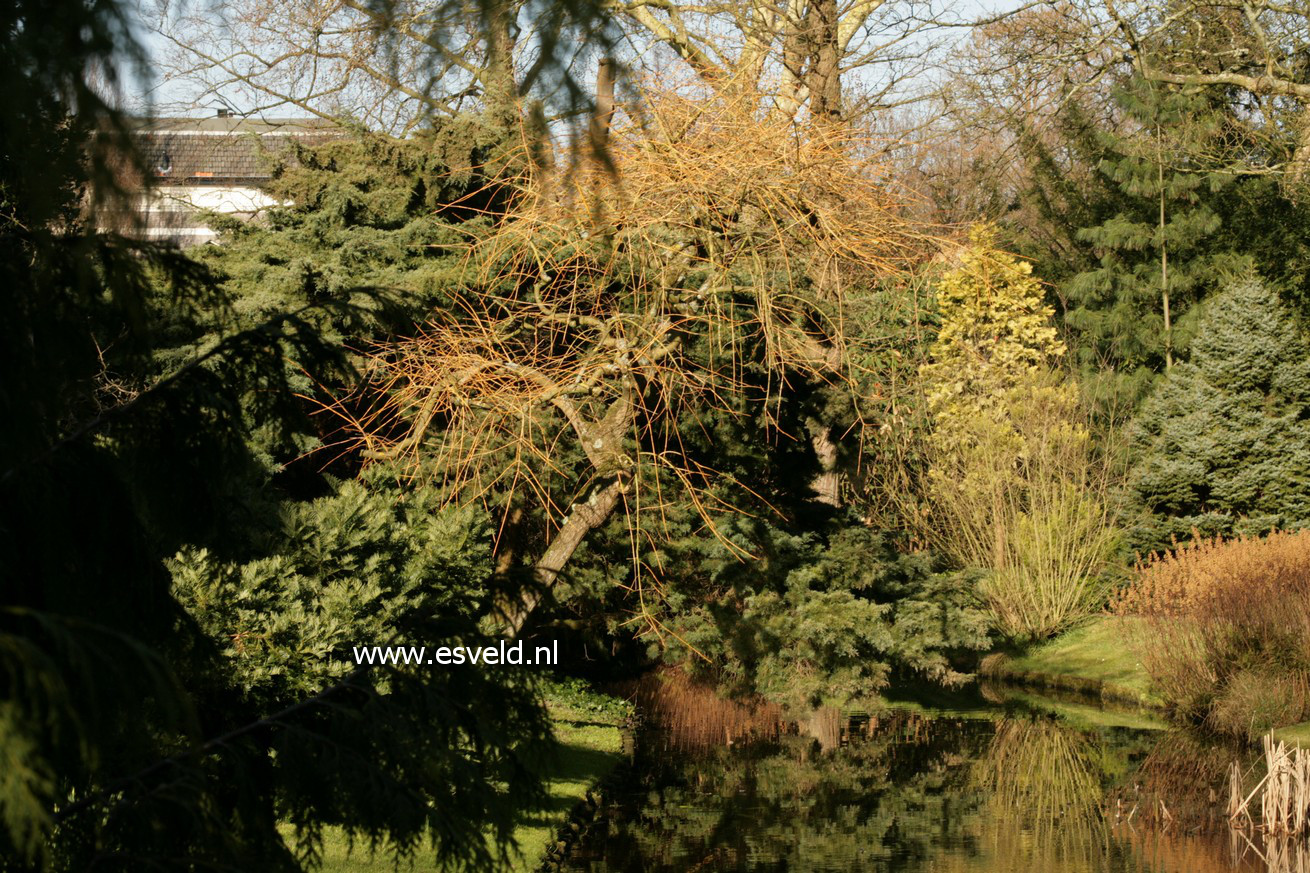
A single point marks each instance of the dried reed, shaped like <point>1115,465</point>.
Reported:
<point>1188,576</point>
<point>1226,636</point>
<point>1283,792</point>
<point>694,716</point>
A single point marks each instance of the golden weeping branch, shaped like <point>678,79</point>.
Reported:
<point>612,307</point>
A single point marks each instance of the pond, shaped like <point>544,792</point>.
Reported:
<point>1002,782</point>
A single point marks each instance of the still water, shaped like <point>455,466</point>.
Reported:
<point>1007,787</point>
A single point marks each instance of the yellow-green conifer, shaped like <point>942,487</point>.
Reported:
<point>1013,483</point>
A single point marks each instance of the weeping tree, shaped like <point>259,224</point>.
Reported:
<point>698,273</point>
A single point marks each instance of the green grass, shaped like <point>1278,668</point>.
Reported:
<point>590,746</point>
<point>991,700</point>
<point>1294,734</point>
<point>589,752</point>
<point>1096,658</point>
<point>1089,715</point>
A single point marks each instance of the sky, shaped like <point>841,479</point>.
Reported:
<point>175,98</point>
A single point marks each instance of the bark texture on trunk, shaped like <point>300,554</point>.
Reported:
<point>599,129</point>
<point>582,519</point>
<point>1298,173</point>
<point>825,60</point>
<point>826,485</point>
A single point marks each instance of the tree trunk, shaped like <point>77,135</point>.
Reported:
<point>500,90</point>
<point>1298,172</point>
<point>581,520</point>
<point>599,130</point>
<point>1164,257</point>
<point>824,77</point>
<point>827,485</point>
<point>794,55</point>
<point>824,725</point>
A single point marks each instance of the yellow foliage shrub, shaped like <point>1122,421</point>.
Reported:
<point>996,332</point>
<point>1014,483</point>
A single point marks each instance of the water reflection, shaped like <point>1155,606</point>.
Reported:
<point>1016,793</point>
<point>785,805</point>
<point>1044,785</point>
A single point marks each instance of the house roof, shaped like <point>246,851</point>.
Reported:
<point>224,149</point>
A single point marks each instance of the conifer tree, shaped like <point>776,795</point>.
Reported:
<point>132,404</point>
<point>1013,484</point>
<point>1160,250</point>
<point>1222,445</point>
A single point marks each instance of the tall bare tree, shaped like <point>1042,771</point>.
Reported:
<point>1253,51</point>
<point>392,66</point>
<point>827,57</point>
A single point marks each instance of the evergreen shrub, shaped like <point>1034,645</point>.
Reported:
<point>1014,483</point>
<point>1223,445</point>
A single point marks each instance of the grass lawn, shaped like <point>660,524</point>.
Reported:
<point>1097,658</point>
<point>1294,734</point>
<point>1089,715</point>
<point>591,745</point>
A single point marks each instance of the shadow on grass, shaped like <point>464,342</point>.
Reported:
<point>587,751</point>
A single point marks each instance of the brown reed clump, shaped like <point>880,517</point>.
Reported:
<point>1283,793</point>
<point>1226,636</point>
<point>694,716</point>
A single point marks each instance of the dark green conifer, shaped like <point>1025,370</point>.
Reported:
<point>1160,251</point>
<point>145,416</point>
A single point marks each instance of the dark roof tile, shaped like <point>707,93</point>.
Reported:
<point>215,150</point>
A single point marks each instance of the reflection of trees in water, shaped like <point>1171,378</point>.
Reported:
<point>1161,851</point>
<point>901,793</point>
<point>1045,784</point>
<point>906,793</point>
<point>1181,784</point>
<point>1172,813</point>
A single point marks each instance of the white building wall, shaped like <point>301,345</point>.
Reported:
<point>171,211</point>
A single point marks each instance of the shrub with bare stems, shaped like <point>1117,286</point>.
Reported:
<point>1226,635</point>
<point>699,270</point>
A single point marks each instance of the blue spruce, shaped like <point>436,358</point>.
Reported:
<point>1223,444</point>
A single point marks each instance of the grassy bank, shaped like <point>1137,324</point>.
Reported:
<point>1096,659</point>
<point>590,745</point>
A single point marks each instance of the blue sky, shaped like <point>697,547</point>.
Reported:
<point>175,99</point>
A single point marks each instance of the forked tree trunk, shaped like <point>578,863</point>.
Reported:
<point>601,440</point>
